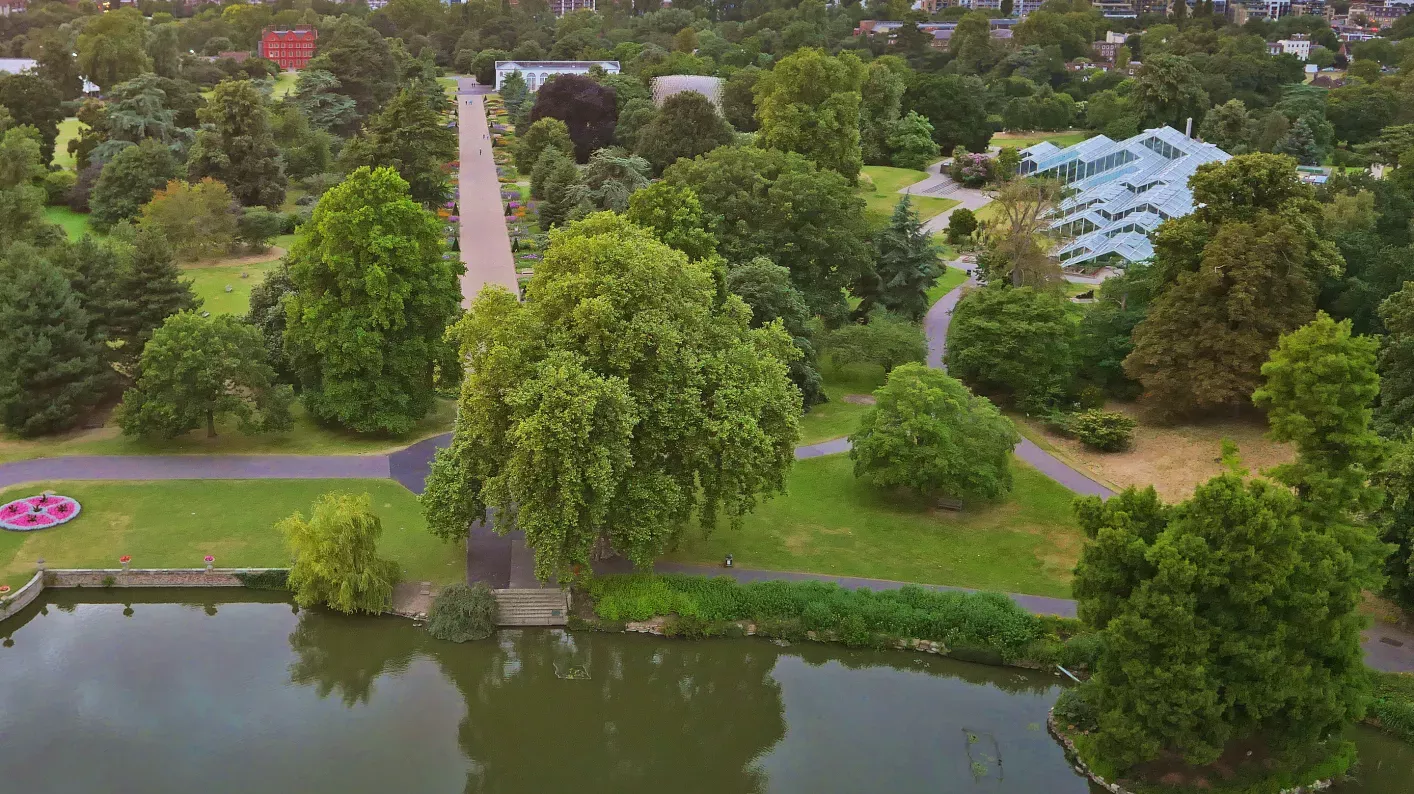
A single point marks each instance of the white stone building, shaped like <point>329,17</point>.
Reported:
<point>537,72</point>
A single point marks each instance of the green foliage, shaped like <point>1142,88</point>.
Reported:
<point>1105,335</point>
<point>809,103</point>
<point>885,340</point>
<point>623,397</point>
<point>1016,341</point>
<point>34,101</point>
<point>336,560</point>
<point>764,202</point>
<point>55,370</point>
<point>928,433</point>
<point>562,189</point>
<point>361,61</point>
<point>961,224</point>
<point>111,48</point>
<point>372,298</point>
<point>611,178</point>
<point>955,106</point>
<point>739,98</point>
<point>1394,415</point>
<point>980,620</point>
<point>766,289</point>
<point>270,579</point>
<point>1106,431</point>
<point>911,141</point>
<point>1169,90</point>
<point>685,126</point>
<point>461,613</point>
<point>544,134</point>
<point>1078,707</point>
<point>881,103</point>
<point>197,369</point>
<point>317,96</point>
<point>128,181</point>
<point>1396,520</point>
<point>1392,708</point>
<point>237,147</point>
<point>197,219</point>
<point>20,158</point>
<point>906,267</point>
<point>674,214</point>
<point>408,135</point>
<point>151,289</point>
<point>1224,618</point>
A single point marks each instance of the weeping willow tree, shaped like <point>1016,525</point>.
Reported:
<point>336,560</point>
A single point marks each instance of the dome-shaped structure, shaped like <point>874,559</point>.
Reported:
<point>667,85</point>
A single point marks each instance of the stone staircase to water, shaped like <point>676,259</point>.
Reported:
<point>533,606</point>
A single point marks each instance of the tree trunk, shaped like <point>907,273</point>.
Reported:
<point>210,424</point>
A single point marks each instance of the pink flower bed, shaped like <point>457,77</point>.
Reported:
<point>38,512</point>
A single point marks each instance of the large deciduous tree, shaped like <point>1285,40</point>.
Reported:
<point>1016,341</point>
<point>546,133</point>
<point>408,136</point>
<point>1169,90</point>
<point>687,125</point>
<point>776,204</point>
<point>929,434</point>
<point>111,48</point>
<point>373,296</point>
<point>585,106</point>
<point>809,103</point>
<point>1394,416</point>
<point>54,367</point>
<point>361,62</point>
<point>198,220</point>
<point>766,289</point>
<point>674,214</point>
<point>198,370</point>
<point>956,107</point>
<point>35,101</point>
<point>237,147</point>
<point>621,399</point>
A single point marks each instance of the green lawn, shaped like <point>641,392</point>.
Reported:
<point>69,129</point>
<point>950,279</point>
<point>838,418</point>
<point>888,181</point>
<point>173,524</point>
<point>1023,140</point>
<point>210,285</point>
<point>307,437</point>
<point>828,522</point>
<point>284,84</point>
<point>75,223</point>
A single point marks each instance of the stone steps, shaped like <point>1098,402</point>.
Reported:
<point>533,606</point>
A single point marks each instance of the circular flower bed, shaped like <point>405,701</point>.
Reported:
<point>38,512</point>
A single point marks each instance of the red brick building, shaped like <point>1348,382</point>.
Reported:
<point>291,49</point>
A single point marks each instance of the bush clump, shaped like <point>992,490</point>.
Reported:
<point>461,613</point>
<point>979,621</point>
<point>1106,431</point>
<point>1392,708</point>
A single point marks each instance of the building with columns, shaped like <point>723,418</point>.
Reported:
<point>536,73</point>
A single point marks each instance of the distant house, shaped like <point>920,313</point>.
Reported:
<point>290,48</point>
<point>8,7</point>
<point>537,72</point>
<point>1120,190</point>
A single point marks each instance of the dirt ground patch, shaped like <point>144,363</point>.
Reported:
<point>1172,458</point>
<point>859,399</point>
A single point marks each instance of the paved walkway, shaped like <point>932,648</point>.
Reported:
<point>940,185</point>
<point>486,249</point>
<point>195,467</point>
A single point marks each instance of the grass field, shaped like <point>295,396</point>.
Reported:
<point>950,279</point>
<point>838,418</point>
<point>828,522</point>
<point>1021,140</point>
<point>307,437</point>
<point>75,223</point>
<point>210,284</point>
<point>69,129</point>
<point>284,84</point>
<point>174,523</point>
<point>888,182</point>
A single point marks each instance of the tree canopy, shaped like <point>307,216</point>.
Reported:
<point>620,399</point>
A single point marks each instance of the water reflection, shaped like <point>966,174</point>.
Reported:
<point>236,697</point>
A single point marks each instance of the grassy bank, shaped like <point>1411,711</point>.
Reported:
<point>209,284</point>
<point>888,181</point>
<point>174,523</point>
<point>1392,710</point>
<point>829,522</point>
<point>308,437</point>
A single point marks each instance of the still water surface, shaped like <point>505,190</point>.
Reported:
<point>98,695</point>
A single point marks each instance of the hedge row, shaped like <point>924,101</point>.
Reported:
<point>959,620</point>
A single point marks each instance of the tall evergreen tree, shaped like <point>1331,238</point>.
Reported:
<point>563,190</point>
<point>407,135</point>
<point>93,271</point>
<point>153,290</point>
<point>906,268</point>
<point>128,181</point>
<point>54,371</point>
<point>237,147</point>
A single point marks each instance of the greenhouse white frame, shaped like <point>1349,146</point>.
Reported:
<point>1121,190</point>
